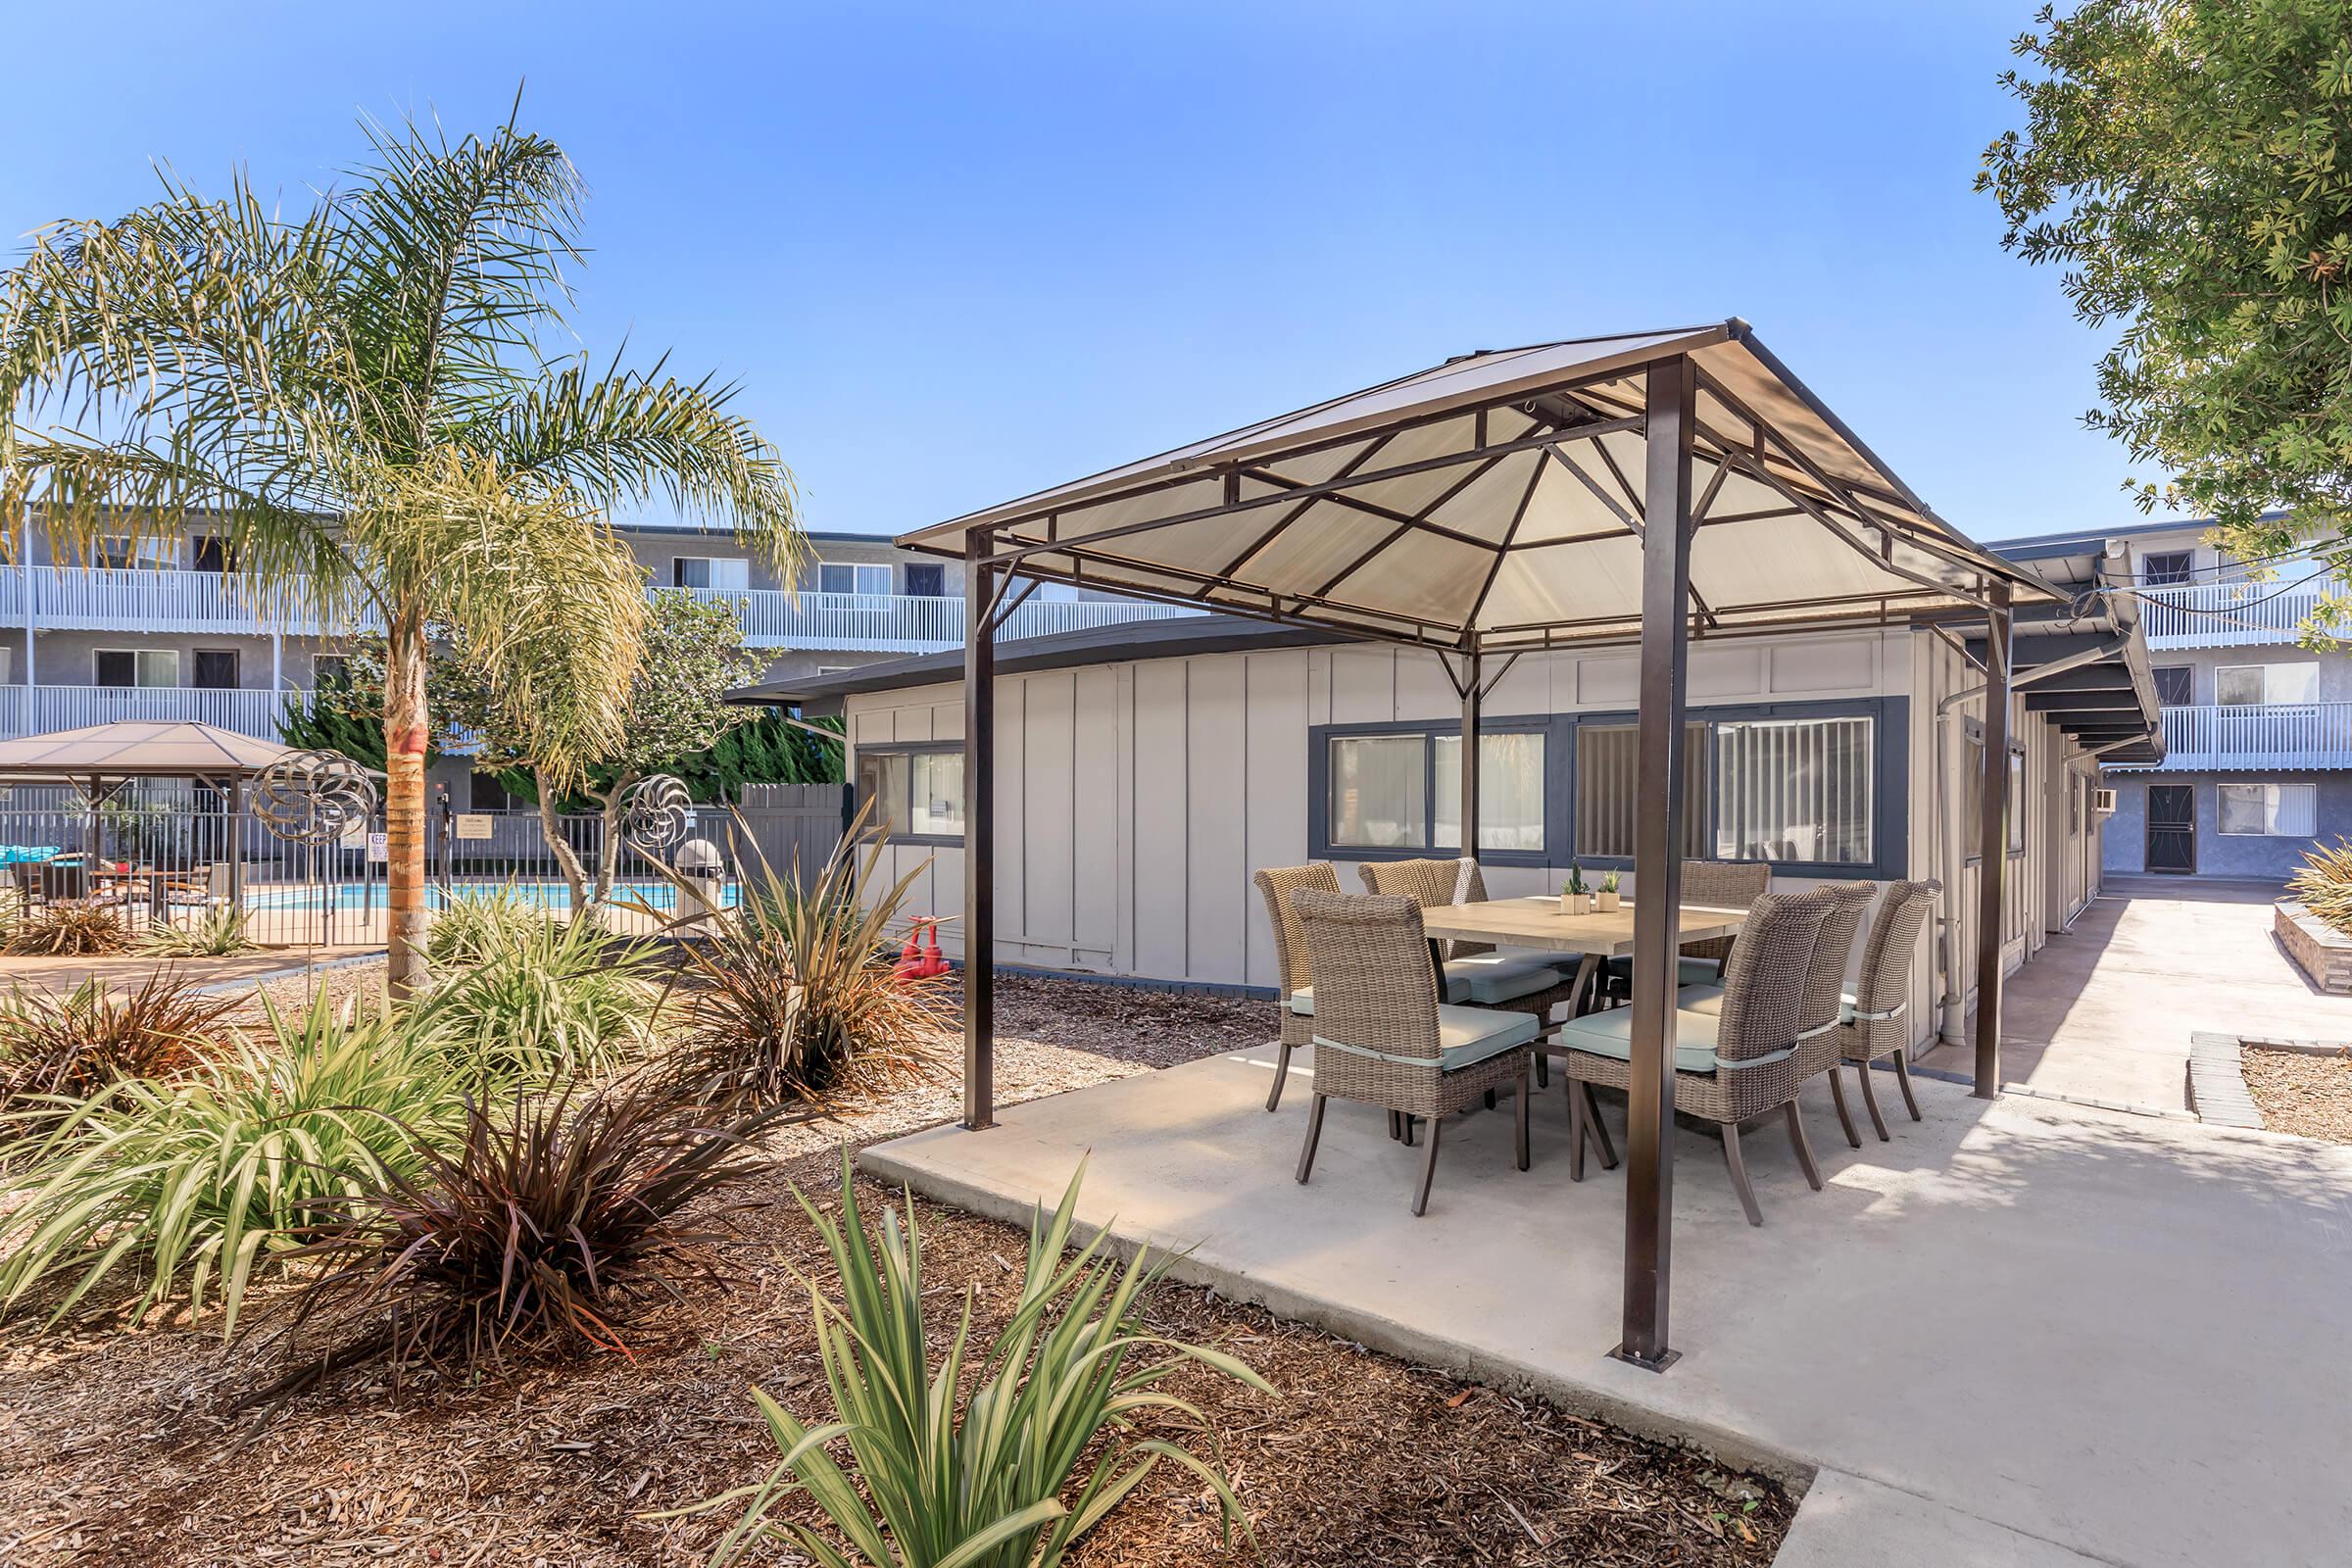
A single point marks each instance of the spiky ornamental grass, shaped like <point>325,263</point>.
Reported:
<point>68,928</point>
<point>215,934</point>
<point>190,1187</point>
<point>796,993</point>
<point>1002,1480</point>
<point>2324,882</point>
<point>61,1052</point>
<point>470,927</point>
<point>542,1228</point>
<point>544,1003</point>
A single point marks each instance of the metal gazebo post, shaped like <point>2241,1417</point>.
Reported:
<point>979,831</point>
<point>1993,826</point>
<point>1473,701</point>
<point>1669,408</point>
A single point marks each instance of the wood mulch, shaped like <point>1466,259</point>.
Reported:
<point>117,1448</point>
<point>2301,1093</point>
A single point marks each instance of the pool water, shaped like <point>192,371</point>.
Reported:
<point>375,895</point>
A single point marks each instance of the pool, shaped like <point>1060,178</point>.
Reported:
<point>552,896</point>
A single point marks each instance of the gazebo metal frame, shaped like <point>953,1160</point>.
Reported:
<point>1293,521</point>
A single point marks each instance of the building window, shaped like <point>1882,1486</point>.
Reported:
<point>926,579</point>
<point>2014,805</point>
<point>1799,791</point>
<point>2267,810</point>
<point>1607,790</point>
<point>1379,792</point>
<point>1404,791</point>
<point>2175,685</point>
<point>210,551</point>
<point>842,578</point>
<point>485,793</point>
<point>121,553</point>
<point>2253,685</point>
<point>914,791</point>
<point>217,668</point>
<point>710,571</point>
<point>145,666</point>
<point>2163,566</point>
<point>1510,790</point>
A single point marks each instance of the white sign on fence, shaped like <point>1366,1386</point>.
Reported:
<point>353,837</point>
<point>379,845</point>
<point>474,824</point>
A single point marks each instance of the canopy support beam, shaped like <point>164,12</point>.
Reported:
<point>1993,844</point>
<point>1671,406</point>
<point>1474,700</point>
<point>979,833</point>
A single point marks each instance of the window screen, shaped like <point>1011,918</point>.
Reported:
<point>1794,790</point>
<point>1378,795</point>
<point>2175,685</point>
<point>148,667</point>
<point>1510,790</point>
<point>837,578</point>
<point>1607,790</point>
<point>937,785</point>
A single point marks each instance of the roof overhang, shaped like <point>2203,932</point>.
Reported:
<point>1496,502</point>
<point>2082,665</point>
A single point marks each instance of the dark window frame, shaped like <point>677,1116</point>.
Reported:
<point>1890,783</point>
<point>2168,575</point>
<point>909,750</point>
<point>2156,678</point>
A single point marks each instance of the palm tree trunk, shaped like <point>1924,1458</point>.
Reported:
<point>404,801</point>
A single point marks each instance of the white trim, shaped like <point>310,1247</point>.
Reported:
<point>136,655</point>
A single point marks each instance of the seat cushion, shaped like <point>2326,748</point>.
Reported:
<point>1302,1001</point>
<point>1610,1034</point>
<point>1494,977</point>
<point>1693,971</point>
<point>1467,1035</point>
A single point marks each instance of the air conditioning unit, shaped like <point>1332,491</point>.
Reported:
<point>2103,802</point>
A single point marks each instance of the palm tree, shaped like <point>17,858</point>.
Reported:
<point>365,399</point>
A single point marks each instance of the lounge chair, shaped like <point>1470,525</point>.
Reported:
<point>1737,1055</point>
<point>1383,1038</point>
<point>1870,1018</point>
<point>1297,1004</point>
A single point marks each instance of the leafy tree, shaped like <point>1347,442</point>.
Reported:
<point>372,399</point>
<point>2188,165</point>
<point>692,655</point>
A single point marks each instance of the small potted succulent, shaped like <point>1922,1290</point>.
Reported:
<point>1575,897</point>
<point>1609,901</point>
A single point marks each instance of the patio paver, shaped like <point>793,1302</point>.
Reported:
<point>2120,1335</point>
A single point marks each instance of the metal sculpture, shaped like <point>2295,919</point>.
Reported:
<point>313,796</point>
<point>656,814</point>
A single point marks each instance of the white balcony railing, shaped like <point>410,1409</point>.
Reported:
<point>2228,614</point>
<point>38,709</point>
<point>2267,735</point>
<point>72,598</point>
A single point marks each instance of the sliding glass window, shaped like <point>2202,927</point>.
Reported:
<point>1404,791</point>
<point>1795,791</point>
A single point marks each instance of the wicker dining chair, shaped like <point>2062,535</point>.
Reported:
<point>1817,1036</point>
<point>1711,885</point>
<point>1383,1038</point>
<point>1297,1004</point>
<point>1475,974</point>
<point>1737,1053</point>
<point>1870,1020</point>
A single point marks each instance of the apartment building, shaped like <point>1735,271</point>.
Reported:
<point>161,629</point>
<point>2258,730</point>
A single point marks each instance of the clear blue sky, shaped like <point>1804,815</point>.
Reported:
<point>954,257</point>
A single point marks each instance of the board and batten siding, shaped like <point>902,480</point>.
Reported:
<point>1134,798</point>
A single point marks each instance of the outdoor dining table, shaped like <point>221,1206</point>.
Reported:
<point>1536,923</point>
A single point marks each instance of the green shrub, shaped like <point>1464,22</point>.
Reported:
<point>2324,882</point>
<point>469,928</point>
<point>796,993</point>
<point>541,1229</point>
<point>215,934</point>
<point>544,1001</point>
<point>68,928</point>
<point>195,1184</point>
<point>933,1480</point>
<point>63,1053</point>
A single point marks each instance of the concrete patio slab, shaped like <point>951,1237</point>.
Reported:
<point>2105,1011</point>
<point>1847,1522</point>
<point>2120,1335</point>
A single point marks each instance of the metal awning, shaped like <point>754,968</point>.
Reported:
<point>1499,501</point>
<point>2082,665</point>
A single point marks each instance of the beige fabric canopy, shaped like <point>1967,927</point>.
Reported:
<point>1495,502</point>
<point>137,748</point>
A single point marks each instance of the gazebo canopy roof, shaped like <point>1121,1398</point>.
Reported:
<point>1495,502</point>
<point>137,748</point>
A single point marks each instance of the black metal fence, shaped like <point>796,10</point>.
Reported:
<point>179,855</point>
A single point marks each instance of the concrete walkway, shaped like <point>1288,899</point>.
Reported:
<point>2105,1012</point>
<point>2021,1332</point>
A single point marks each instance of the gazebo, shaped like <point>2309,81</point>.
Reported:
<point>1663,486</point>
<point>99,759</point>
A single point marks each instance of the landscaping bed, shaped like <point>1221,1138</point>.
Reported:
<point>118,1446</point>
<point>2306,1092</point>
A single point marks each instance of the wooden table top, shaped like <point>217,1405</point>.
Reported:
<point>1539,923</point>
